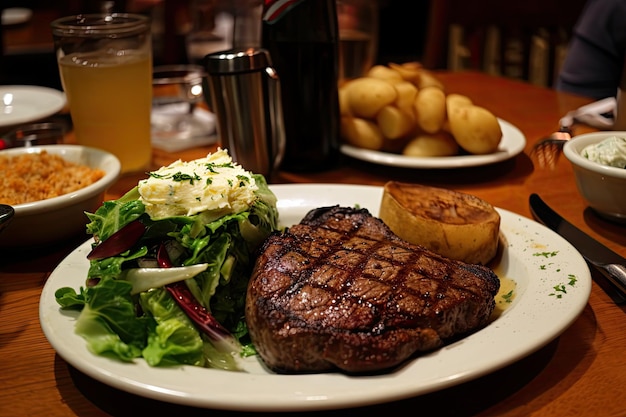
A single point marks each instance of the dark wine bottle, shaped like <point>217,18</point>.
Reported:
<point>302,39</point>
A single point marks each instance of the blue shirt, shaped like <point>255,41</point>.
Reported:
<point>595,58</point>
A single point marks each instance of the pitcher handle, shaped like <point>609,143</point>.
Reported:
<point>276,115</point>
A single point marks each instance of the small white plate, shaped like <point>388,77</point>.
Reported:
<point>16,15</point>
<point>512,143</point>
<point>28,103</point>
<point>536,258</point>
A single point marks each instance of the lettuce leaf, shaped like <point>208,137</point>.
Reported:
<point>150,324</point>
<point>113,215</point>
<point>172,338</point>
<point>109,322</point>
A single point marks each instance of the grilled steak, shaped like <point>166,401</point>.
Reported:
<point>340,290</point>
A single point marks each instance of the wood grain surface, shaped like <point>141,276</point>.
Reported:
<point>580,373</point>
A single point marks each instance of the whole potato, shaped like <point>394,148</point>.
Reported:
<point>409,71</point>
<point>361,133</point>
<point>366,96</point>
<point>344,102</point>
<point>427,79</point>
<point>453,100</point>
<point>394,123</point>
<point>454,224</point>
<point>407,92</point>
<point>475,129</point>
<point>384,73</point>
<point>436,144</point>
<point>430,109</point>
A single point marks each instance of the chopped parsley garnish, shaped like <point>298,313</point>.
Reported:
<point>572,280</point>
<point>546,254</point>
<point>157,176</point>
<point>561,289</point>
<point>508,297</point>
<point>179,176</point>
<point>243,180</point>
<point>212,166</point>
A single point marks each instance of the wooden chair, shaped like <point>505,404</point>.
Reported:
<point>520,39</point>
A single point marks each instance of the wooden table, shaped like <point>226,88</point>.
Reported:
<point>33,36</point>
<point>581,373</point>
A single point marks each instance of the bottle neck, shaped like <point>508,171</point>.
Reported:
<point>300,20</point>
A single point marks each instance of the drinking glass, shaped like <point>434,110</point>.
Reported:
<point>358,37</point>
<point>44,133</point>
<point>177,121</point>
<point>211,31</point>
<point>105,62</point>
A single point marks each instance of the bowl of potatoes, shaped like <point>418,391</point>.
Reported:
<point>401,115</point>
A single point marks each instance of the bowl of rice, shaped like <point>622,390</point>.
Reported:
<point>50,187</point>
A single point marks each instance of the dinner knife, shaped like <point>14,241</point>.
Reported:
<point>608,263</point>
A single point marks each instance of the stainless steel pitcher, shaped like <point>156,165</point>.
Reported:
<point>245,97</point>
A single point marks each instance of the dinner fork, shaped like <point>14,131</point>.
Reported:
<point>547,150</point>
<point>597,114</point>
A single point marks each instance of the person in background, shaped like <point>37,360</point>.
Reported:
<point>595,58</point>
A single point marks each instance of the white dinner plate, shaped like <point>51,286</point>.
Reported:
<point>28,103</point>
<point>16,15</point>
<point>512,143</point>
<point>546,302</point>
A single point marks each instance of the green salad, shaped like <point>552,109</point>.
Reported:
<point>170,265</point>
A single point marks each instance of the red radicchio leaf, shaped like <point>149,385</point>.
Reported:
<point>118,242</point>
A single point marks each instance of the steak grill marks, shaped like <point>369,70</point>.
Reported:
<point>355,271</point>
<point>344,280</point>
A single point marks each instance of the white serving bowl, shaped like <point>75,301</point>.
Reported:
<point>602,187</point>
<point>59,218</point>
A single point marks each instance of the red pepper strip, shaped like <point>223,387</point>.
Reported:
<point>196,312</point>
<point>163,259</point>
<point>118,242</point>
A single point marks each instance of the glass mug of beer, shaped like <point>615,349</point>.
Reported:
<point>105,62</point>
